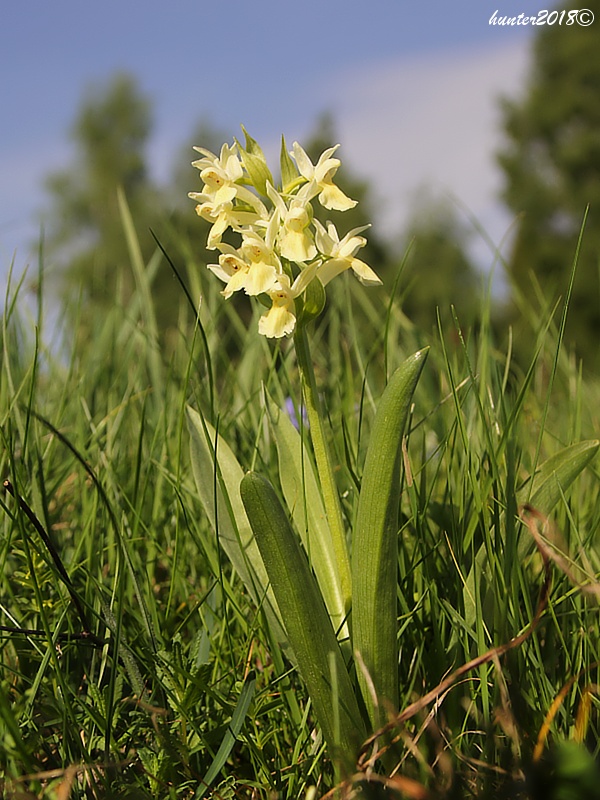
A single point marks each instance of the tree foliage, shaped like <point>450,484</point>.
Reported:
<point>551,164</point>
<point>85,229</point>
<point>86,237</point>
<point>439,272</point>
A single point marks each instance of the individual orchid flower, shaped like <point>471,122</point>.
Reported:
<point>295,239</point>
<point>340,254</point>
<point>259,253</point>
<point>253,276</point>
<point>222,217</point>
<point>280,319</point>
<point>259,241</point>
<point>321,176</point>
<point>220,173</point>
<point>248,211</point>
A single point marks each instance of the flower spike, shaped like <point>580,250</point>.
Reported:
<point>282,248</point>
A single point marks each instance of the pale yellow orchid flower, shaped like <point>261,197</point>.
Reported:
<point>227,214</point>
<point>259,254</point>
<point>253,276</point>
<point>321,176</point>
<point>220,173</point>
<point>280,319</point>
<point>279,239</point>
<point>340,254</point>
<point>216,200</point>
<point>295,240</point>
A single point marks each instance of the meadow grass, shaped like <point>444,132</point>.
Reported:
<point>133,661</point>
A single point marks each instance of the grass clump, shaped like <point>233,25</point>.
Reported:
<point>134,662</point>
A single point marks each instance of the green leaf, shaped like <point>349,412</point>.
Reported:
<point>289,172</point>
<point>552,479</point>
<point>229,519</point>
<point>375,543</point>
<point>231,735</point>
<point>255,164</point>
<point>307,622</point>
<point>313,301</point>
<point>303,499</point>
<point>549,484</point>
<point>252,146</point>
<point>556,474</point>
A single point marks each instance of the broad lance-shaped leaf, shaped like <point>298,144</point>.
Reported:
<point>303,499</point>
<point>306,620</point>
<point>554,477</point>
<point>375,543</point>
<point>234,531</point>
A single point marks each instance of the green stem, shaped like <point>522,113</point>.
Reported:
<point>322,453</point>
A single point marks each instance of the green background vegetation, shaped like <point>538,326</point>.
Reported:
<point>172,684</point>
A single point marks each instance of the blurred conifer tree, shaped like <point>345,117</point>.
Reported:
<point>85,233</point>
<point>439,272</point>
<point>551,164</point>
<point>84,227</point>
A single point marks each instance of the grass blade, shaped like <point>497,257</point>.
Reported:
<point>556,474</point>
<point>231,734</point>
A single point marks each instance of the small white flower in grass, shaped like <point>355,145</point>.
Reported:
<point>321,176</point>
<point>295,239</point>
<point>280,319</point>
<point>340,254</point>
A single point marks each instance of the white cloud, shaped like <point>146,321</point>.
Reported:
<point>430,121</point>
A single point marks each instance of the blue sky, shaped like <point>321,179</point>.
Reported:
<point>412,86</point>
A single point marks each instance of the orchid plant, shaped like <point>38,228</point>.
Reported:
<point>332,592</point>
<point>329,593</point>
